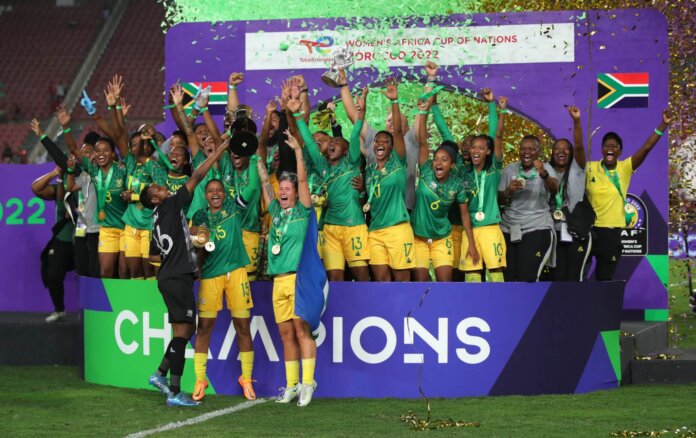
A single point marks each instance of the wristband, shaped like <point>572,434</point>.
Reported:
<point>59,180</point>
<point>202,110</point>
<point>119,107</point>
<point>300,114</point>
<point>42,137</point>
<point>233,87</point>
<point>342,85</point>
<point>70,170</point>
<point>393,101</point>
<point>658,132</point>
<point>505,111</point>
<point>109,107</point>
<point>433,83</point>
<point>67,131</point>
<point>425,113</point>
<point>169,106</point>
<point>304,90</point>
<point>229,132</point>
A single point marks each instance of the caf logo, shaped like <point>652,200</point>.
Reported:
<point>631,210</point>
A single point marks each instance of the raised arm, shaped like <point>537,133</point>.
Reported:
<point>498,139</point>
<point>202,170</point>
<point>488,97</point>
<point>392,93</point>
<point>346,98</point>
<point>271,108</point>
<point>638,158</point>
<point>304,96</point>
<point>232,96</point>
<point>178,99</point>
<point>423,149</point>
<point>41,186</point>
<point>578,146</point>
<point>248,193</point>
<point>302,185</point>
<point>354,143</point>
<point>266,186</point>
<point>52,149</point>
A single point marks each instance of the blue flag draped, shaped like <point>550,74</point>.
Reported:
<point>311,285</point>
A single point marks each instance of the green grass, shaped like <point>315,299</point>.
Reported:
<point>683,329</point>
<point>41,401</point>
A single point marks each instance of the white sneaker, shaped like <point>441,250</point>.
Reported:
<point>55,316</point>
<point>288,394</point>
<point>306,394</point>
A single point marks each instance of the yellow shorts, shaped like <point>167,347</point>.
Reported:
<point>456,235</point>
<point>234,285</point>
<point>490,245</point>
<point>112,240</point>
<point>284,298</point>
<point>343,244</point>
<point>137,242</point>
<point>439,251</point>
<point>251,245</point>
<point>393,246</point>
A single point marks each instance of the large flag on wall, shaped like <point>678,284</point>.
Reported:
<point>622,90</point>
<point>311,284</point>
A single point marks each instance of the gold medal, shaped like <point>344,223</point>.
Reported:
<point>210,246</point>
<point>558,215</point>
<point>479,216</point>
<point>275,249</point>
<point>315,199</point>
<point>366,207</point>
<point>628,208</point>
<point>102,215</point>
<point>522,181</point>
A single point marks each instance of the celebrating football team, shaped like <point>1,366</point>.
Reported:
<point>223,205</point>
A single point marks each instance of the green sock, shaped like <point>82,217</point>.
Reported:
<point>472,277</point>
<point>496,277</point>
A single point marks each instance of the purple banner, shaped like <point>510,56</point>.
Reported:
<point>621,41</point>
<point>377,339</point>
<point>25,229</point>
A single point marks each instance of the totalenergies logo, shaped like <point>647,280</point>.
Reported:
<point>322,44</point>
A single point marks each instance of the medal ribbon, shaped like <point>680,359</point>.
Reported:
<point>376,180</point>
<point>520,173</point>
<point>213,223</point>
<point>616,183</point>
<point>103,188</point>
<point>161,155</point>
<point>480,188</point>
<point>559,196</point>
<point>283,225</point>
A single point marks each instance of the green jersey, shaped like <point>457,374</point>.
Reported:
<point>172,182</point>
<point>226,233</point>
<point>343,201</point>
<point>460,170</point>
<point>236,184</point>
<point>386,188</point>
<point>199,200</point>
<point>433,201</point>
<point>139,175</point>
<point>287,233</point>
<point>484,194</point>
<point>108,186</point>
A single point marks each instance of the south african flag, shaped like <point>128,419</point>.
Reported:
<point>218,95</point>
<point>622,90</point>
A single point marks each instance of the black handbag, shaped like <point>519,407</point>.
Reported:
<point>580,221</point>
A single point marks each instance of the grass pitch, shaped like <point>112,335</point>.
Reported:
<point>53,401</point>
<point>683,320</point>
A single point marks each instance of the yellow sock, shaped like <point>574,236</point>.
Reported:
<point>200,361</point>
<point>151,278</point>
<point>292,372</point>
<point>308,370</point>
<point>472,277</point>
<point>137,278</point>
<point>247,360</point>
<point>496,277</point>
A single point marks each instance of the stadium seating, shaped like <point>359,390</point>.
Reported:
<point>136,52</point>
<point>13,134</point>
<point>52,41</point>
